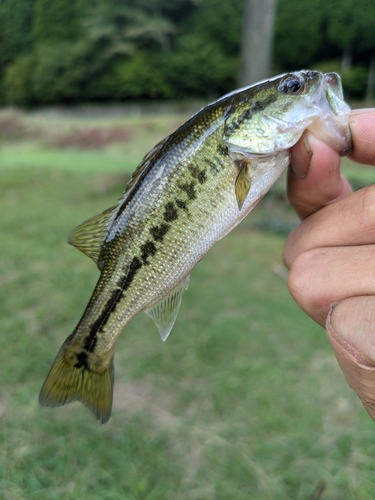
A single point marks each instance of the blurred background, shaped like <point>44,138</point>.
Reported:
<point>245,400</point>
<point>72,51</point>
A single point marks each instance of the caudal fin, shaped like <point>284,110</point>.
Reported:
<point>70,379</point>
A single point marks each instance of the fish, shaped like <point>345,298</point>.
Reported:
<point>188,192</point>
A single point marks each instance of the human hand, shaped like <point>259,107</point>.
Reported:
<point>331,254</point>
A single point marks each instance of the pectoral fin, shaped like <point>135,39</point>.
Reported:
<point>88,236</point>
<point>243,184</point>
<point>164,313</point>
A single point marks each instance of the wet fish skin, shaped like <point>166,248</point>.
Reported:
<point>186,194</point>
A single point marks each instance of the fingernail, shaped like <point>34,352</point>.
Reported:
<point>361,111</point>
<point>301,158</point>
<point>306,143</point>
<point>340,332</point>
<point>358,369</point>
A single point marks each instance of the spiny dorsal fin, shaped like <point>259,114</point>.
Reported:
<point>243,184</point>
<point>164,312</point>
<point>88,236</point>
<point>142,170</point>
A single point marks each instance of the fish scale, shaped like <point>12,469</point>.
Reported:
<point>187,193</point>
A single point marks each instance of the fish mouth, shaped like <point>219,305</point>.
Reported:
<point>332,124</point>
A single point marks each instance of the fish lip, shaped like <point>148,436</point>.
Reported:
<point>336,131</point>
<point>333,81</point>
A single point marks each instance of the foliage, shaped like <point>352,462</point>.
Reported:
<point>56,21</point>
<point>352,28</point>
<point>217,21</point>
<point>205,57</point>
<point>90,50</point>
<point>55,75</point>
<point>18,81</point>
<point>142,76</point>
<point>16,20</point>
<point>199,67</point>
<point>298,33</point>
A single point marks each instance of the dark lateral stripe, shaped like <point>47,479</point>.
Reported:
<point>198,174</point>
<point>148,249</point>
<point>158,232</point>
<point>213,165</point>
<point>101,320</point>
<point>182,204</point>
<point>170,212</point>
<point>222,149</point>
<point>110,306</point>
<point>134,267</point>
<point>233,123</point>
<point>82,360</point>
<point>189,188</point>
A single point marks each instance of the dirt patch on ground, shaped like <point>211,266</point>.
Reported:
<point>13,128</point>
<point>93,138</point>
<point>133,397</point>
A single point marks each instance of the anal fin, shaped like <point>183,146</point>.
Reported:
<point>164,312</point>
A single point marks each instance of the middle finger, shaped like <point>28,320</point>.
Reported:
<point>322,276</point>
<point>348,221</point>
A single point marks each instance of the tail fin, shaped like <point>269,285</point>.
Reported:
<point>71,379</point>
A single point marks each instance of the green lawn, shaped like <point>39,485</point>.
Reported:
<point>244,401</point>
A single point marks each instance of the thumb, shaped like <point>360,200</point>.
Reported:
<point>351,330</point>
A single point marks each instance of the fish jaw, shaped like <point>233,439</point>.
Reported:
<point>332,125</point>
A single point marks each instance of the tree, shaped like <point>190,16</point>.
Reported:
<point>204,59</point>
<point>119,28</point>
<point>257,35</point>
<point>343,28</point>
<point>56,21</point>
<point>16,28</point>
<point>351,29</point>
<point>299,34</point>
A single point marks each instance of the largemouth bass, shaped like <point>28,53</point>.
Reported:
<point>191,190</point>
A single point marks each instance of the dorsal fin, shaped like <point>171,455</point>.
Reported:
<point>164,312</point>
<point>88,236</point>
<point>142,170</point>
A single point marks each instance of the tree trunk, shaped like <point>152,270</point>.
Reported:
<point>346,61</point>
<point>257,35</point>
<point>370,93</point>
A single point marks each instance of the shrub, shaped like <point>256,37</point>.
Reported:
<point>53,78</point>
<point>142,76</point>
<point>18,82</point>
<point>199,67</point>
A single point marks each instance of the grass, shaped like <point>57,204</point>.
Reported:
<point>245,400</point>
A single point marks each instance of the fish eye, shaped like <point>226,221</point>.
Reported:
<point>291,86</point>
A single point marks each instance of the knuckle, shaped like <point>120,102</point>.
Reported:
<point>304,281</point>
<point>299,277</point>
